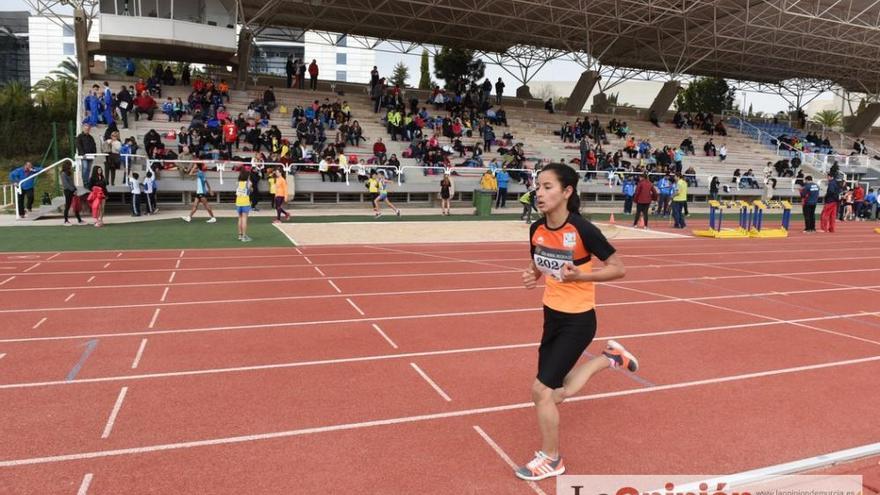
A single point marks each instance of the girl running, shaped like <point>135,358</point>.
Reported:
<point>243,203</point>
<point>203,190</point>
<point>280,196</point>
<point>445,194</point>
<point>382,186</point>
<point>563,245</point>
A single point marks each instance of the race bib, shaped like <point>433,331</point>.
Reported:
<point>550,261</point>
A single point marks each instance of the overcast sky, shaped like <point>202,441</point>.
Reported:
<point>553,71</point>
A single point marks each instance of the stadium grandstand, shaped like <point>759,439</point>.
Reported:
<point>369,327</point>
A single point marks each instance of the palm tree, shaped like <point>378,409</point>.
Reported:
<point>58,89</point>
<point>828,118</point>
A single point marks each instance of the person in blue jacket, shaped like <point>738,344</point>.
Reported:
<point>27,186</point>
<point>108,104</point>
<point>502,178</point>
<point>629,190</point>
<point>92,105</point>
<point>665,186</point>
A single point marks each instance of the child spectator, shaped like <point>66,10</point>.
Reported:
<point>135,187</point>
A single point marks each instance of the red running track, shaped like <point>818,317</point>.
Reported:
<point>319,369</point>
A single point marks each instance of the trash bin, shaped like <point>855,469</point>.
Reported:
<point>483,202</point>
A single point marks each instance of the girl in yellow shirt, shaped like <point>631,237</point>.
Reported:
<point>243,204</point>
<point>280,196</point>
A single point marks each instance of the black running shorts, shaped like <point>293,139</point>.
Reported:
<point>566,337</point>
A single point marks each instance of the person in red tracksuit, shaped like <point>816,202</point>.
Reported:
<point>832,202</point>
<point>644,195</point>
<point>230,136</point>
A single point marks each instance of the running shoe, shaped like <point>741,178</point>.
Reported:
<point>246,239</point>
<point>540,467</point>
<point>186,219</point>
<point>276,221</point>
<point>620,357</point>
<point>211,220</point>
<point>398,212</point>
<point>286,217</point>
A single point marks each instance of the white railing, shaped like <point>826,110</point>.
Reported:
<point>8,193</point>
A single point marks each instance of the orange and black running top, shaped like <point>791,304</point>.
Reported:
<point>576,242</point>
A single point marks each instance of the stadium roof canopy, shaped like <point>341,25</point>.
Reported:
<point>751,40</point>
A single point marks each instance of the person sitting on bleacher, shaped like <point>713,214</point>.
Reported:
<point>152,142</point>
<point>379,151</point>
<point>709,148</point>
<point>687,145</point>
<point>145,104</point>
<point>154,86</point>
<point>748,180</point>
<point>269,99</point>
<point>720,129</point>
<point>622,131</point>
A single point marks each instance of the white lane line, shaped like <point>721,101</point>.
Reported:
<point>107,264</point>
<point>431,382</point>
<point>2,355</point>
<point>504,457</point>
<point>164,294</point>
<point>665,298</point>
<point>320,272</point>
<point>37,325</point>
<point>307,260</point>
<point>181,253</point>
<point>84,486</point>
<point>155,316</point>
<point>90,279</point>
<point>118,255</point>
<point>384,336</point>
<point>112,419</point>
<point>353,305</point>
<point>139,355</point>
<point>7,280</point>
<point>31,268</point>
<point>418,419</point>
<point>171,278</point>
<point>50,258</point>
<point>361,359</point>
<point>177,264</point>
<point>283,325</point>
<point>338,290</point>
<point>70,296</point>
<point>298,251</point>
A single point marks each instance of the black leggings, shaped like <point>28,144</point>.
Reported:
<point>641,211</point>
<point>68,202</point>
<point>279,207</point>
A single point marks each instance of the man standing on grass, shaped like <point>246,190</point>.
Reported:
<point>809,199</point>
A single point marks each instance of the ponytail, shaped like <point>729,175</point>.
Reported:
<point>567,177</point>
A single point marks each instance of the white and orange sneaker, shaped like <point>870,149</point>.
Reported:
<point>540,467</point>
<point>620,357</point>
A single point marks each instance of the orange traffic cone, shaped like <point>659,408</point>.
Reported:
<point>611,220</point>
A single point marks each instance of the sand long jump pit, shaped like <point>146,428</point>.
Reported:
<point>413,231</point>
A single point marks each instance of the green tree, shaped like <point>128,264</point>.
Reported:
<point>828,118</point>
<point>400,75</point>
<point>425,81</point>
<point>453,64</point>
<point>706,94</point>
